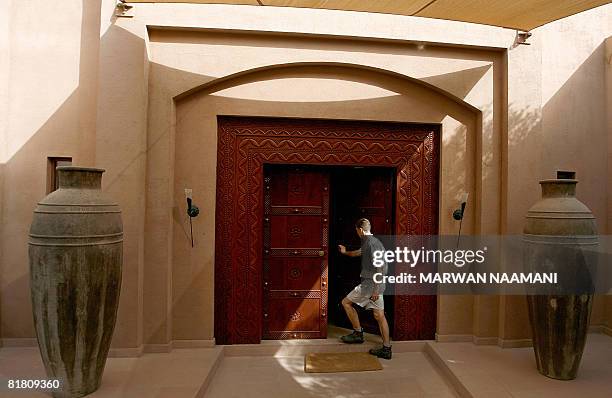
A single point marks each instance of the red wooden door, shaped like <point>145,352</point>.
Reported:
<point>357,193</point>
<point>296,224</point>
<point>246,144</point>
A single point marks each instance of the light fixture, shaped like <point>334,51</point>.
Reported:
<point>192,210</point>
<point>458,213</point>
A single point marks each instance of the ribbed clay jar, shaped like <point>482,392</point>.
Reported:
<point>75,250</point>
<point>560,236</point>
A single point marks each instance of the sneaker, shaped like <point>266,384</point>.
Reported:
<point>382,352</point>
<point>353,338</point>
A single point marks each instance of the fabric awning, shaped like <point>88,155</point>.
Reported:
<point>514,14</point>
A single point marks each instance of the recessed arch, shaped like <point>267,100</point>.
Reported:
<point>198,109</point>
<point>337,70</point>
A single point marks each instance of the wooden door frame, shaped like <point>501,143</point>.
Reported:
<point>245,144</point>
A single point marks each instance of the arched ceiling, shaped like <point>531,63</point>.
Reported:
<point>514,14</point>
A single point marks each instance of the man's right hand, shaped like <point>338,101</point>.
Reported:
<point>342,249</point>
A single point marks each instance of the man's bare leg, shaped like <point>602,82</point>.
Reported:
<point>379,315</point>
<point>352,314</point>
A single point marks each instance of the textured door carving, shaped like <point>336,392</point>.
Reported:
<point>245,144</point>
<point>296,224</point>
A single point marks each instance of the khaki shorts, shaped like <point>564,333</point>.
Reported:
<point>361,294</point>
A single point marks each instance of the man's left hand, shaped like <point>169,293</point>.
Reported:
<point>374,297</point>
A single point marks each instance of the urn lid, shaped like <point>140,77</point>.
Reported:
<point>562,186</point>
<point>78,186</point>
<point>79,177</point>
<point>559,212</point>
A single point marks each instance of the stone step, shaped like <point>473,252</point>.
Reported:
<point>299,347</point>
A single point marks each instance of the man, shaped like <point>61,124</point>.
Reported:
<point>368,293</point>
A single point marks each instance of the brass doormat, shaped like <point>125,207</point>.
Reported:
<point>340,362</point>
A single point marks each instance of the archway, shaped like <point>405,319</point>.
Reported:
<point>429,104</point>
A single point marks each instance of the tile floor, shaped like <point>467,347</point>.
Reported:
<point>275,369</point>
<point>490,371</point>
<point>408,375</point>
<point>178,374</point>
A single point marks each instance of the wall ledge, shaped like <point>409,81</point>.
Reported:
<point>120,352</point>
<point>454,338</point>
<point>477,340</point>
<point>330,23</point>
<point>128,352</point>
<point>193,343</point>
<point>177,344</point>
<point>18,342</point>
<point>514,343</point>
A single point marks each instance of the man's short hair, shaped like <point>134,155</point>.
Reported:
<point>364,224</point>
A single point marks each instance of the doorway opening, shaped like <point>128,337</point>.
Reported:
<point>357,192</point>
<point>308,212</point>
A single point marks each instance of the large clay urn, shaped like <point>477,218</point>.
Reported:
<point>75,249</point>
<point>560,236</point>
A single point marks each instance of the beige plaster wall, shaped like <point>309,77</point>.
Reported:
<point>556,120</point>
<point>466,73</point>
<point>574,104</point>
<point>522,147</point>
<point>146,140</point>
<point>308,25</point>
<point>69,52</point>
<point>520,144</point>
<point>314,92</point>
<point>1,246</point>
<point>5,45</point>
<point>48,109</point>
<point>5,49</point>
<point>121,149</point>
<point>608,83</point>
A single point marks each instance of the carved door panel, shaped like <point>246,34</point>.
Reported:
<point>247,144</point>
<point>357,193</point>
<point>296,222</point>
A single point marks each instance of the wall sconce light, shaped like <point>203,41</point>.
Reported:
<point>458,213</point>
<point>192,210</point>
